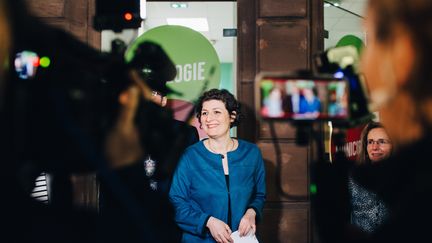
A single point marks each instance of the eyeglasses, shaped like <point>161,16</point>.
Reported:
<point>380,142</point>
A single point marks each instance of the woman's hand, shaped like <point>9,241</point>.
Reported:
<point>220,231</point>
<point>247,223</point>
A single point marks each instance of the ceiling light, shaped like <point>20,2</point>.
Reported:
<point>198,24</point>
<point>179,5</point>
<point>329,3</point>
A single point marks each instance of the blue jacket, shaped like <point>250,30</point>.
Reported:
<point>199,189</point>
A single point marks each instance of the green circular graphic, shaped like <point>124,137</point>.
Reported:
<point>351,40</point>
<point>196,60</point>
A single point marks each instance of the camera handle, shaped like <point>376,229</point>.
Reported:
<point>307,133</point>
<point>329,195</point>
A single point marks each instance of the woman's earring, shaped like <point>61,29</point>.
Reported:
<point>233,116</point>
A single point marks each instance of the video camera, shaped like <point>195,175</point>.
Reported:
<point>336,93</point>
<point>62,100</point>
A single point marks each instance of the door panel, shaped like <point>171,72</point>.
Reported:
<point>284,222</point>
<point>287,177</point>
<point>278,35</point>
<point>47,9</point>
<point>283,8</point>
<point>283,46</point>
<point>285,130</point>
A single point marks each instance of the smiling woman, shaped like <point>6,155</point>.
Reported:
<point>375,144</point>
<point>380,148</point>
<point>219,184</point>
<point>368,211</point>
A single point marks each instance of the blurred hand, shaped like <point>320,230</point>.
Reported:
<point>247,223</point>
<point>122,146</point>
<point>220,231</point>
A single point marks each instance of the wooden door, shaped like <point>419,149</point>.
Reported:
<point>279,35</point>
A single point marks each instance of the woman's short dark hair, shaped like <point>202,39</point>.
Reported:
<point>363,157</point>
<point>231,104</point>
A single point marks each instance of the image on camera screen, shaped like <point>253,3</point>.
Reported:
<point>303,99</point>
<point>26,64</point>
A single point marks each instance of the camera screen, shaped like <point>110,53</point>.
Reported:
<point>26,64</point>
<point>303,99</point>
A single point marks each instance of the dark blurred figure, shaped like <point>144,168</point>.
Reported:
<point>310,104</point>
<point>158,95</point>
<point>397,65</point>
<point>137,213</point>
<point>150,165</point>
<point>291,102</point>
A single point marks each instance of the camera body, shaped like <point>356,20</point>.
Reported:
<point>117,15</point>
<point>60,114</point>
<point>301,97</point>
<point>336,93</point>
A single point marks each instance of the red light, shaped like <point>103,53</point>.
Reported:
<point>128,16</point>
<point>36,62</point>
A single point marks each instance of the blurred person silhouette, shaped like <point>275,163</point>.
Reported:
<point>219,185</point>
<point>291,102</point>
<point>397,63</point>
<point>274,103</point>
<point>335,106</point>
<point>310,105</point>
<point>159,96</point>
<point>139,215</point>
<point>153,213</point>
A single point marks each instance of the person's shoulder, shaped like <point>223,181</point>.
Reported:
<point>193,153</point>
<point>244,142</point>
<point>248,151</point>
<point>194,148</point>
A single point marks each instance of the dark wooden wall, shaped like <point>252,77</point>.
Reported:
<point>74,16</point>
<point>279,35</point>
